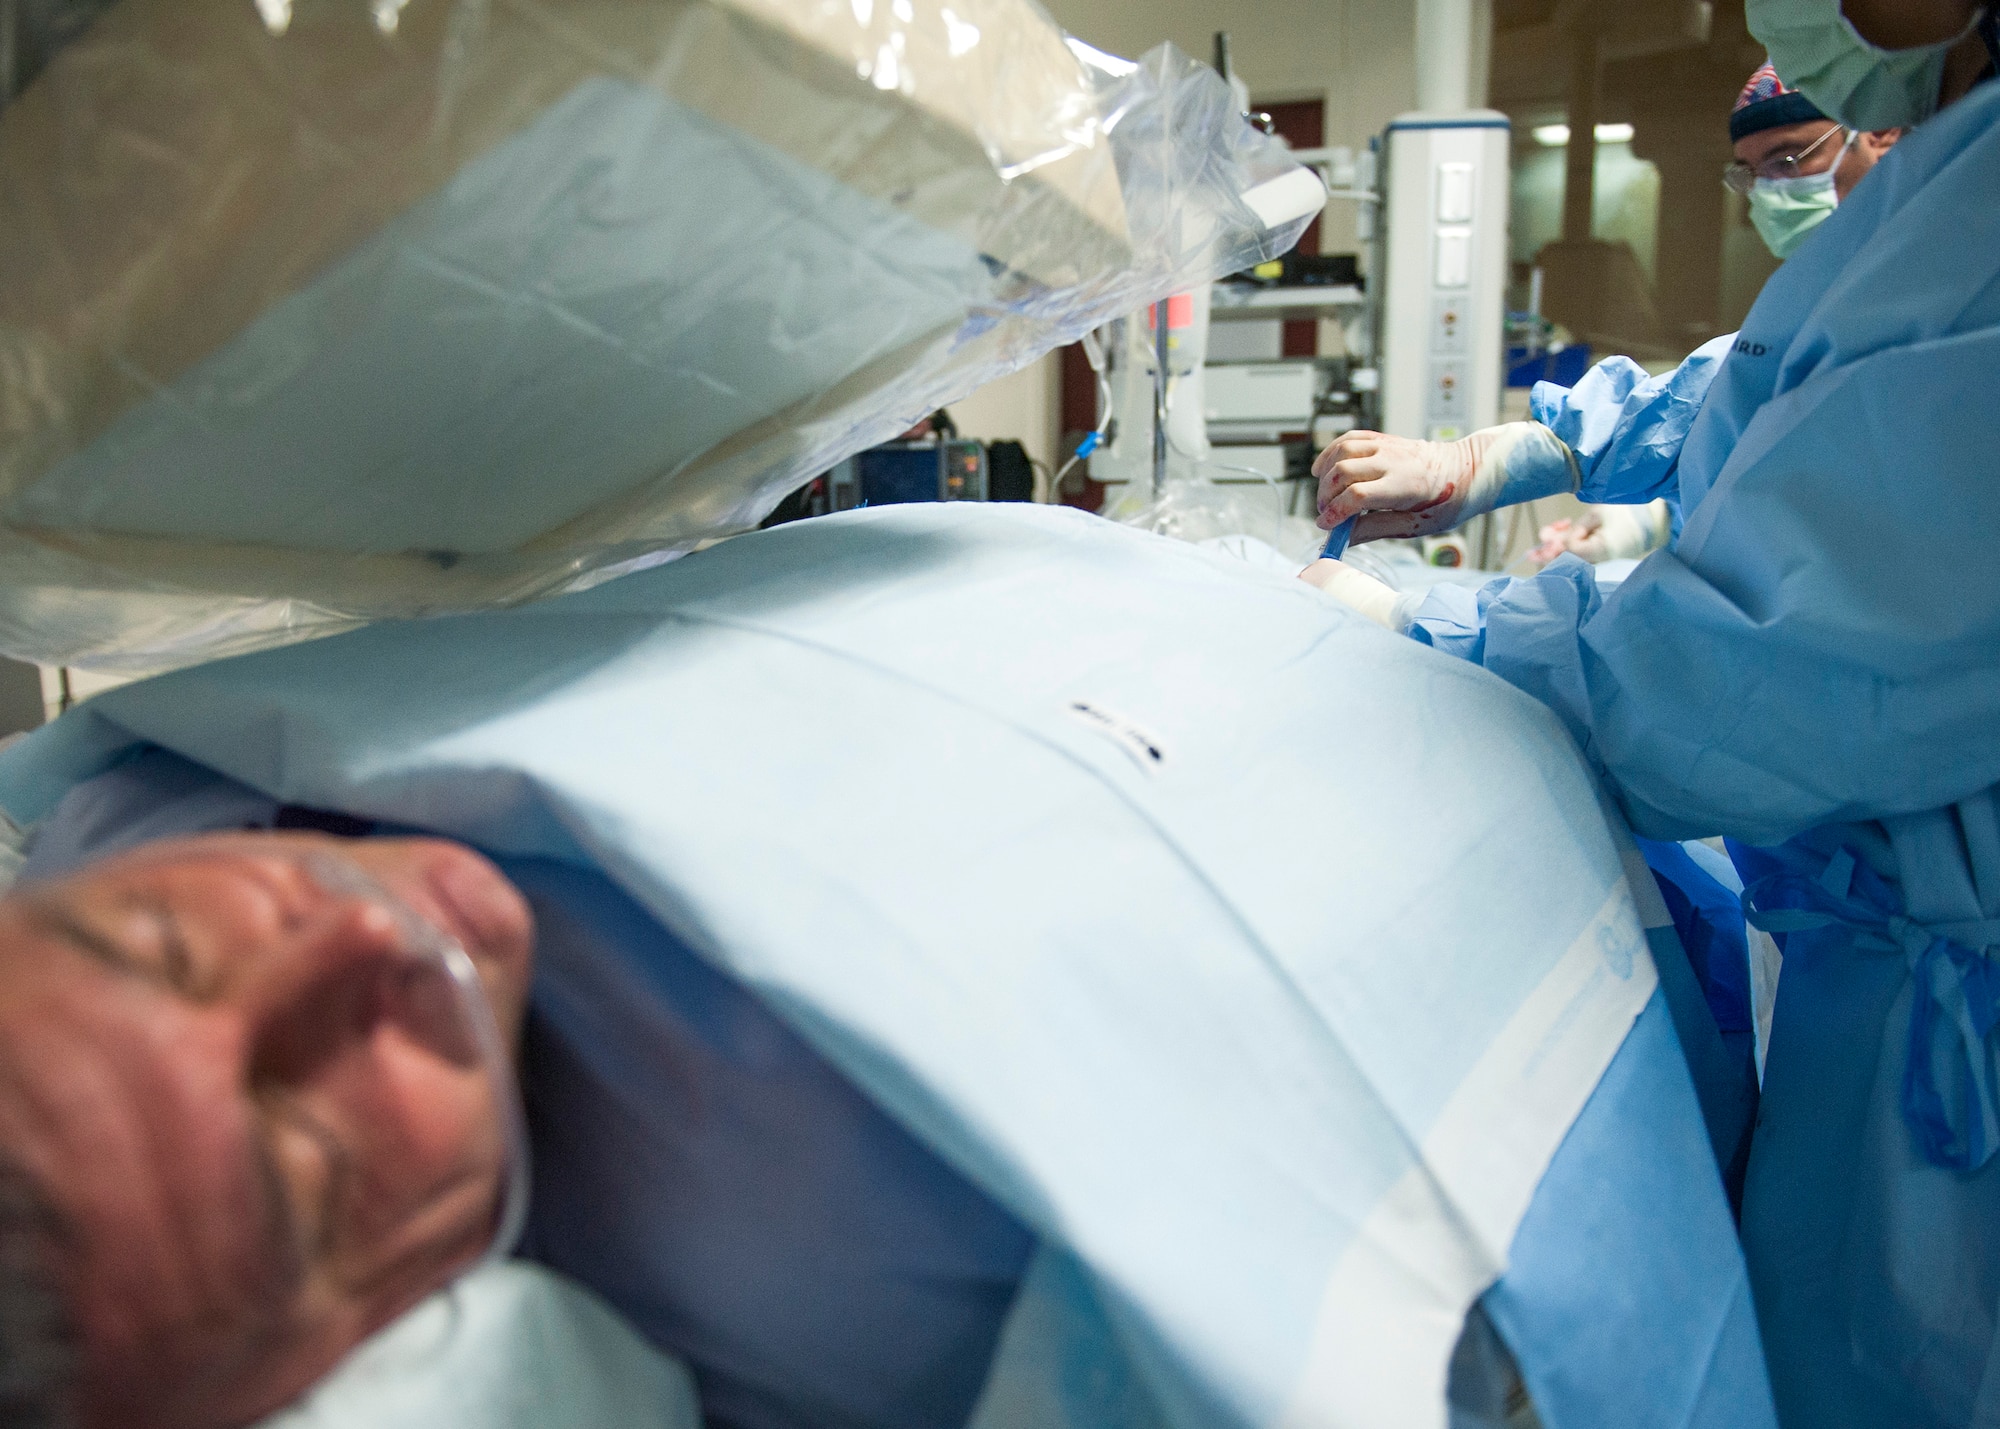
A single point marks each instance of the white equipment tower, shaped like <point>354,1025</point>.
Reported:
<point>1444,267</point>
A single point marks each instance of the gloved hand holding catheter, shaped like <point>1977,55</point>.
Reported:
<point>1399,486</point>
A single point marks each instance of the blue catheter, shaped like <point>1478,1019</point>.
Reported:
<point>1336,539</point>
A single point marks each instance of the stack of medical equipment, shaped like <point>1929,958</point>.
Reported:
<point>897,472</point>
<point>936,468</point>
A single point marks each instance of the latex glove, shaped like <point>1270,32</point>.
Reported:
<point>1363,592</point>
<point>1579,537</point>
<point>1408,487</point>
<point>1606,533</point>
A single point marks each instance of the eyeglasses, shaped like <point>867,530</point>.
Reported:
<point>1740,177</point>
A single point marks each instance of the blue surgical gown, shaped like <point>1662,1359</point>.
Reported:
<point>1626,428</point>
<point>1814,670</point>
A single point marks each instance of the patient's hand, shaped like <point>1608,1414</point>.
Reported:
<point>254,1146</point>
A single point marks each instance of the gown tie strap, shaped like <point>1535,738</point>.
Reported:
<point>1949,1070</point>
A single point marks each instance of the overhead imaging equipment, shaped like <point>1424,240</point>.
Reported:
<point>313,313</point>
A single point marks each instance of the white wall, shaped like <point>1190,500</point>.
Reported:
<point>1358,55</point>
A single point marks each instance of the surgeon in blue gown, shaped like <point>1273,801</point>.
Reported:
<point>1814,671</point>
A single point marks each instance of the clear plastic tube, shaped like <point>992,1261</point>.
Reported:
<point>450,980</point>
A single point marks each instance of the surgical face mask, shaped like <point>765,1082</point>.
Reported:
<point>1816,50</point>
<point>1784,211</point>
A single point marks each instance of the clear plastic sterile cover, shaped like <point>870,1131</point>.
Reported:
<point>315,312</point>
